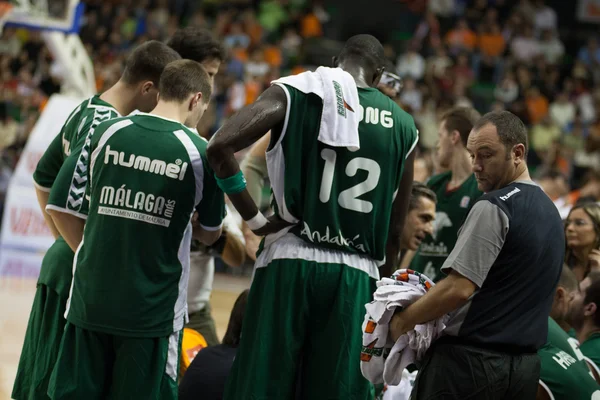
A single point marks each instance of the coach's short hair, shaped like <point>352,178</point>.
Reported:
<point>420,190</point>
<point>182,78</point>
<point>461,119</point>
<point>511,130</point>
<point>196,44</point>
<point>147,62</point>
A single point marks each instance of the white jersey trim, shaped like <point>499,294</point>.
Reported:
<point>276,166</point>
<point>290,246</point>
<point>211,228</point>
<point>413,146</point>
<point>547,389</point>
<point>195,160</point>
<point>173,356</point>
<point>180,311</point>
<point>68,307</point>
<point>41,188</point>
<point>66,211</point>
<point>105,137</point>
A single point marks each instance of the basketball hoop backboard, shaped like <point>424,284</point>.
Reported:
<point>45,15</point>
<point>59,22</point>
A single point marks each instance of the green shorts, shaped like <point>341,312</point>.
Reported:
<point>301,333</point>
<point>40,348</point>
<point>94,366</point>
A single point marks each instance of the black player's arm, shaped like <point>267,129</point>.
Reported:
<point>399,210</point>
<point>242,130</point>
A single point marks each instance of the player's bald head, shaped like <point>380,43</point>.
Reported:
<point>365,51</point>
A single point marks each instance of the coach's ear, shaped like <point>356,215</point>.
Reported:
<point>335,61</point>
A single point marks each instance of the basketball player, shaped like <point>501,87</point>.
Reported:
<point>147,174</point>
<point>343,217</point>
<point>564,372</point>
<point>456,191</point>
<point>199,45</point>
<point>137,89</point>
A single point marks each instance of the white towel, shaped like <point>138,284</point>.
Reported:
<point>403,390</point>
<point>386,363</point>
<point>340,117</point>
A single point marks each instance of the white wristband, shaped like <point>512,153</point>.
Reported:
<point>257,222</point>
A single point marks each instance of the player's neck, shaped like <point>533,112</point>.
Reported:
<point>358,73</point>
<point>563,325</point>
<point>122,97</point>
<point>460,168</point>
<point>170,110</point>
<point>587,330</point>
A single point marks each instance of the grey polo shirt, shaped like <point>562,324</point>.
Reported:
<point>511,246</point>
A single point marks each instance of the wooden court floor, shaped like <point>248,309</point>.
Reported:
<point>16,296</point>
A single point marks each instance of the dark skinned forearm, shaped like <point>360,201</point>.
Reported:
<point>242,130</point>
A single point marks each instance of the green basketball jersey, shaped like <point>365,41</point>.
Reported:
<point>565,377</point>
<point>450,211</point>
<point>147,175</point>
<point>340,199</point>
<point>557,337</point>
<point>64,156</point>
<point>591,348</point>
<point>70,138</point>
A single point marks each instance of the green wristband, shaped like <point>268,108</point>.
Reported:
<point>232,185</point>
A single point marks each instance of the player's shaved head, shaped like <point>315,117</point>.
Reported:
<point>365,51</point>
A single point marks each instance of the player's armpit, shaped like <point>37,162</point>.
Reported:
<point>69,226</point>
<point>399,211</point>
<point>42,197</point>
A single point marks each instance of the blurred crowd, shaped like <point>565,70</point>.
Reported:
<point>490,54</point>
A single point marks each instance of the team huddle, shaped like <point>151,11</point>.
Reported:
<point>128,184</point>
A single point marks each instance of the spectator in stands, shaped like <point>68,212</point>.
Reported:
<point>207,375</point>
<point>582,232</point>
<point>551,47</point>
<point>411,64</point>
<point>562,111</point>
<point>525,47</point>
<point>461,38</point>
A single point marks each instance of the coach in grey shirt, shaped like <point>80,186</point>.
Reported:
<point>501,277</point>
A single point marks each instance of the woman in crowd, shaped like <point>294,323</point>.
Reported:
<point>582,231</point>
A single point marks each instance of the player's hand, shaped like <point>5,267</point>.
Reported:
<point>399,326</point>
<point>275,224</point>
<point>594,260</point>
<point>252,243</point>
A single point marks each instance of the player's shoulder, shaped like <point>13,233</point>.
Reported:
<point>435,181</point>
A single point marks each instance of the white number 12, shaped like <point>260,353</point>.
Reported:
<point>348,198</point>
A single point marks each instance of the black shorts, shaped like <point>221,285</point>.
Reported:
<point>458,371</point>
